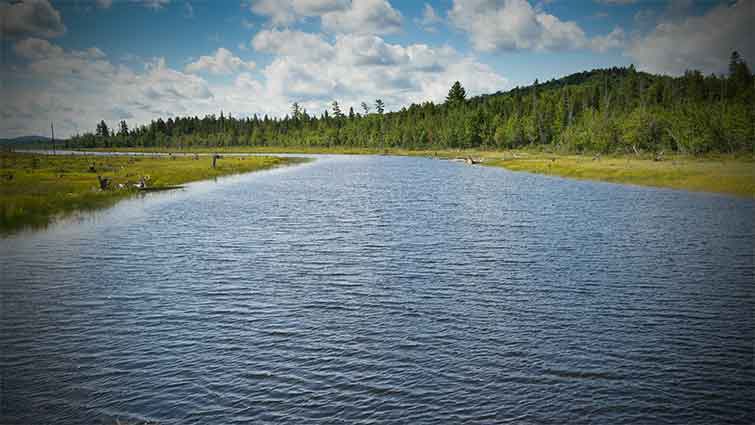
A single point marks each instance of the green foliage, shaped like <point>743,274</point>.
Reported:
<point>644,129</point>
<point>456,95</point>
<point>36,188</point>
<point>604,110</point>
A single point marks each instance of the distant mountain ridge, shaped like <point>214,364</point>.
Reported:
<point>24,140</point>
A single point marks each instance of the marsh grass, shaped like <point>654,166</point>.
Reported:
<point>35,189</point>
<point>713,174</point>
<point>733,175</point>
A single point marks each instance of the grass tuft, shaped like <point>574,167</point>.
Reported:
<point>34,189</point>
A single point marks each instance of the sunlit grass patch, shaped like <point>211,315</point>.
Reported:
<point>36,188</point>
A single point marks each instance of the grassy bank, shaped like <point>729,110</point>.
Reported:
<point>713,173</point>
<point>34,189</point>
<point>733,176</point>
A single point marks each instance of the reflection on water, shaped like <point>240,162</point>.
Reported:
<point>384,290</point>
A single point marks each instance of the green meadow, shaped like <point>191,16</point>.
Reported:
<point>718,173</point>
<point>34,189</point>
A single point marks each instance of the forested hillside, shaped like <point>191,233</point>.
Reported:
<point>604,110</point>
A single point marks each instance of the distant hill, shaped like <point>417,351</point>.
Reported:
<point>603,110</point>
<point>25,141</point>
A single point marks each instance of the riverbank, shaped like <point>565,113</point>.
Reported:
<point>726,174</point>
<point>35,189</point>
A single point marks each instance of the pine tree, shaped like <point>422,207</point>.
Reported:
<point>296,110</point>
<point>123,128</point>
<point>456,95</point>
<point>337,110</point>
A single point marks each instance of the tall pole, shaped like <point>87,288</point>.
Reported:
<point>52,130</point>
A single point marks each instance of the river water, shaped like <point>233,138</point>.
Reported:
<point>370,289</point>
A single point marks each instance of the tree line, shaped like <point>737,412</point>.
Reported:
<point>603,110</point>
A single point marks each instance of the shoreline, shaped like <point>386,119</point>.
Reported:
<point>722,174</point>
<point>38,189</point>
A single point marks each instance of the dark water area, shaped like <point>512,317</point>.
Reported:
<point>368,289</point>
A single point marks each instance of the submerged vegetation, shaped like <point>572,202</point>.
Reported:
<point>36,188</point>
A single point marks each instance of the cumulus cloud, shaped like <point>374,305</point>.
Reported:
<point>338,16</point>
<point>76,88</point>
<point>104,4</point>
<point>35,48</point>
<point>284,12</point>
<point>697,42</point>
<point>357,67</point>
<point>223,62</point>
<point>364,17</point>
<point>514,24</point>
<point>302,45</point>
<point>613,40</point>
<point>35,18</point>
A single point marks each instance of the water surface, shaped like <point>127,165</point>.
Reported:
<point>367,289</point>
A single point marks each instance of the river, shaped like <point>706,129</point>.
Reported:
<point>379,289</point>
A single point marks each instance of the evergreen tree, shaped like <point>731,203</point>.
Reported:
<point>102,129</point>
<point>616,109</point>
<point>456,95</point>
<point>337,110</point>
<point>123,131</point>
<point>296,110</point>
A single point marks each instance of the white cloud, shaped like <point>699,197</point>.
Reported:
<point>613,40</point>
<point>306,46</point>
<point>317,7</point>
<point>35,48</point>
<point>429,18</point>
<point>104,4</point>
<point>221,63</point>
<point>279,12</point>
<point>514,24</point>
<point>697,42</point>
<point>78,88</point>
<point>285,12</point>
<point>31,18</point>
<point>338,16</point>
<point>364,17</point>
<point>154,4</point>
<point>359,67</point>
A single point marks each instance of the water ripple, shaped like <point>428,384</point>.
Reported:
<point>384,290</point>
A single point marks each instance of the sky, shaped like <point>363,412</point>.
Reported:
<point>76,62</point>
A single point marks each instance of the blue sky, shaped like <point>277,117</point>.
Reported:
<point>79,61</point>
